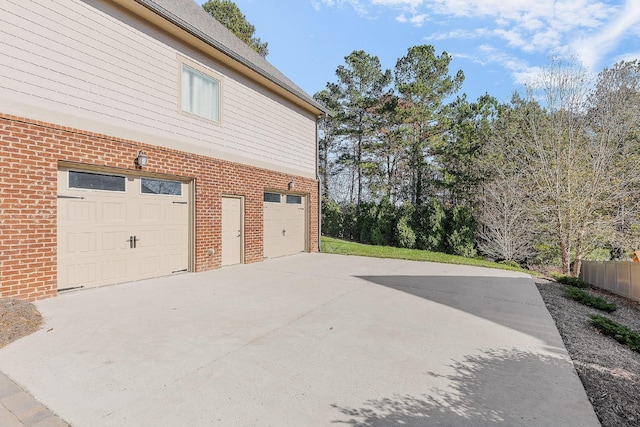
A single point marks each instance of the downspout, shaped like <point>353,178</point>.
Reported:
<point>319,185</point>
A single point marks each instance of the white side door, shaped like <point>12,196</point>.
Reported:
<point>231,230</point>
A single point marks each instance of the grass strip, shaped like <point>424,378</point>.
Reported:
<point>620,333</point>
<point>343,247</point>
<point>587,299</point>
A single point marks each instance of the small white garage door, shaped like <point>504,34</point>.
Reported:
<point>285,219</point>
<point>114,228</point>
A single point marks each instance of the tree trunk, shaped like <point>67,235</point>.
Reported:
<point>324,175</point>
<point>359,184</point>
<point>577,263</point>
<point>359,167</point>
<point>565,254</point>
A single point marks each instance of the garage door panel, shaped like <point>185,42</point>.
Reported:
<point>114,240</point>
<point>172,262</point>
<point>85,272</point>
<point>147,239</point>
<point>78,211</point>
<point>81,273</point>
<point>81,242</point>
<point>174,238</point>
<point>150,265</point>
<point>151,212</point>
<point>95,229</point>
<point>113,271</point>
<point>113,211</point>
<point>174,213</point>
<point>284,225</point>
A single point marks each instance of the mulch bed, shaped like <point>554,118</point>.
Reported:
<point>17,319</point>
<point>610,372</point>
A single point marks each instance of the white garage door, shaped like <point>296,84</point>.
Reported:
<point>285,218</point>
<point>114,228</point>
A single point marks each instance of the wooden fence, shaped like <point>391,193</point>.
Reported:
<point>619,277</point>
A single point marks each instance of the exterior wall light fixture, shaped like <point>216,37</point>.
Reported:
<point>292,185</point>
<point>141,159</point>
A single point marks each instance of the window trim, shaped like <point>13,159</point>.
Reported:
<point>207,72</point>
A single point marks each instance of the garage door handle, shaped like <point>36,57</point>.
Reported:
<point>283,231</point>
<point>132,242</point>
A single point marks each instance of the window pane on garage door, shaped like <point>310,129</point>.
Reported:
<point>294,200</point>
<point>272,197</point>
<point>159,186</point>
<point>96,181</point>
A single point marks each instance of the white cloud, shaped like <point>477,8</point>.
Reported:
<point>416,20</point>
<point>590,49</point>
<point>534,26</point>
<point>628,57</point>
<point>410,4</point>
<point>585,29</point>
<point>520,70</point>
<point>359,6</point>
<point>460,34</point>
<point>531,25</point>
<point>513,37</point>
<point>364,8</point>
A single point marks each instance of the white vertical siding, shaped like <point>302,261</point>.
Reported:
<point>91,65</point>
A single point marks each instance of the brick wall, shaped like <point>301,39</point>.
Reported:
<point>29,156</point>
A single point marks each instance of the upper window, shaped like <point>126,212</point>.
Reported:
<point>96,181</point>
<point>159,186</point>
<point>200,94</point>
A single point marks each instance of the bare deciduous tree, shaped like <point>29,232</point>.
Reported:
<point>577,156</point>
<point>506,230</point>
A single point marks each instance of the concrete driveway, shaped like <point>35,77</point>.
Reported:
<point>307,340</point>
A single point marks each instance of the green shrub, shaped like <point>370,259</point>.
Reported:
<point>462,232</point>
<point>366,218</point>
<point>572,281</point>
<point>429,224</point>
<point>405,236</point>
<point>331,218</point>
<point>510,263</point>
<point>419,224</point>
<point>587,299</point>
<point>430,227</point>
<point>620,333</point>
<point>349,223</point>
<point>383,230</point>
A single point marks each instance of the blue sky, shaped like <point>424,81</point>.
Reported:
<point>498,44</point>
